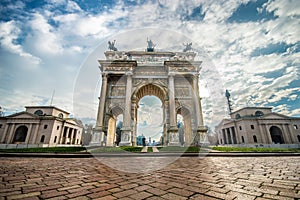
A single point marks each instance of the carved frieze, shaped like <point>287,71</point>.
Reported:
<point>117,91</point>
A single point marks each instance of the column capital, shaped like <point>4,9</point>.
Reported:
<point>129,73</point>
<point>104,74</point>
<point>171,74</point>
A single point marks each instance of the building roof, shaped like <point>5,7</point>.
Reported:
<point>53,107</point>
<point>251,108</point>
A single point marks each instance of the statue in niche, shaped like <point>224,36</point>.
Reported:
<point>188,47</point>
<point>151,45</point>
<point>111,46</point>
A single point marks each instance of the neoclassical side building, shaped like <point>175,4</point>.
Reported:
<point>258,126</point>
<point>128,76</point>
<point>40,126</point>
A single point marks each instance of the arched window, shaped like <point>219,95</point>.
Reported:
<point>237,116</point>
<point>276,135</point>
<point>243,140</point>
<point>39,112</point>
<point>255,138</point>
<point>259,113</point>
<point>60,115</point>
<point>20,134</point>
<point>298,136</point>
<point>43,139</point>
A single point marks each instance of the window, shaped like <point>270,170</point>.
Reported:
<point>55,138</point>
<point>295,126</point>
<point>243,141</point>
<point>43,139</point>
<point>1,125</point>
<point>252,126</point>
<point>237,116</point>
<point>255,138</point>
<point>298,136</point>
<point>60,115</point>
<point>57,128</point>
<point>240,127</point>
<point>38,112</point>
<point>45,126</point>
<point>259,113</point>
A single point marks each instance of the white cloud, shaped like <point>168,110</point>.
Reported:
<point>289,8</point>
<point>9,33</point>
<point>43,36</point>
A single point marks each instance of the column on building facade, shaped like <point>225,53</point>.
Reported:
<point>224,136</point>
<point>231,135</point>
<point>286,134</point>
<point>72,136</point>
<point>28,134</point>
<point>237,135</point>
<point>294,138</point>
<point>198,106</point>
<point>61,133</point>
<point>66,136</point>
<point>201,130</point>
<point>262,134</point>
<point>230,141</point>
<point>126,130</point>
<point>102,99</point>
<point>173,130</point>
<point>35,133</point>
<point>11,134</point>
<point>269,139</point>
<point>4,134</point>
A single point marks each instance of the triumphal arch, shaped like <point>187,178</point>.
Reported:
<point>127,76</point>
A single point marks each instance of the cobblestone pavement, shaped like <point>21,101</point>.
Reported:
<point>187,178</point>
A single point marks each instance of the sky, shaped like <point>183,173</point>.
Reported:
<point>50,48</point>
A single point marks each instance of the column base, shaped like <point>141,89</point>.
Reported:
<point>126,137</point>
<point>201,136</point>
<point>97,135</point>
<point>173,137</point>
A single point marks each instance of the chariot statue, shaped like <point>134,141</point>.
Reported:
<point>188,47</point>
<point>111,46</point>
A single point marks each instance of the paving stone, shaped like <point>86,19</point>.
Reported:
<point>187,178</point>
<point>140,195</point>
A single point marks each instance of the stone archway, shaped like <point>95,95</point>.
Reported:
<point>276,135</point>
<point>111,137</point>
<point>149,90</point>
<point>187,138</point>
<point>173,77</point>
<point>20,134</point>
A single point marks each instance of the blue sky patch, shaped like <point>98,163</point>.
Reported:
<point>277,48</point>
<point>249,12</point>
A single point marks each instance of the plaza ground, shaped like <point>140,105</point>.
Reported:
<point>157,178</point>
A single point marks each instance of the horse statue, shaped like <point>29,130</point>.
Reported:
<point>111,46</point>
<point>188,47</point>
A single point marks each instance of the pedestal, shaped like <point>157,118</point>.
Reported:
<point>96,138</point>
<point>173,137</point>
<point>126,137</point>
<point>201,136</point>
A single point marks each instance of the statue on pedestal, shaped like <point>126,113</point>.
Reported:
<point>111,46</point>
<point>188,47</point>
<point>151,45</point>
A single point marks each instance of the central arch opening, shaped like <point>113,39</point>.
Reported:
<point>150,120</point>
<point>150,125</point>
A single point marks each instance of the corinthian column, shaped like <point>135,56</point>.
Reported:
<point>126,130</point>
<point>201,129</point>
<point>102,99</point>
<point>173,130</point>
